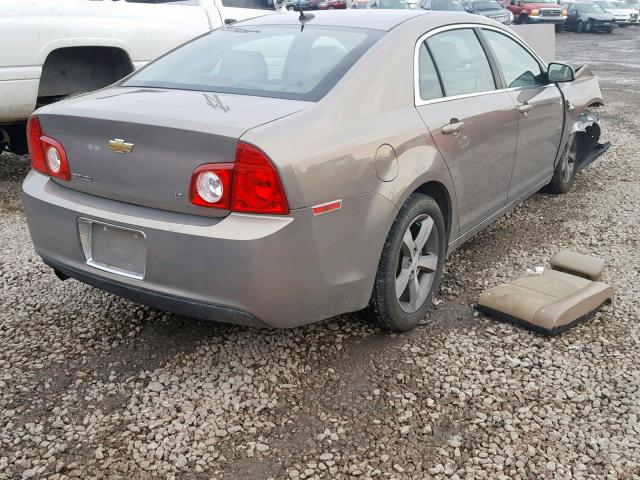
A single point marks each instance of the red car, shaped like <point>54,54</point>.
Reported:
<point>332,4</point>
<point>537,11</point>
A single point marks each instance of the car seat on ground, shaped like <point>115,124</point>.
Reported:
<point>553,301</point>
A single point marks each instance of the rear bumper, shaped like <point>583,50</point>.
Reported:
<point>245,269</point>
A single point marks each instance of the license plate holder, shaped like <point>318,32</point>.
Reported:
<point>113,249</point>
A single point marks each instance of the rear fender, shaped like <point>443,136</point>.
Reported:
<point>419,163</point>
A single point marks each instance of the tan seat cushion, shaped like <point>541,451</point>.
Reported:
<point>578,264</point>
<point>548,303</point>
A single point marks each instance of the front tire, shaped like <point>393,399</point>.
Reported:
<point>559,28</point>
<point>565,172</point>
<point>580,26</point>
<point>524,19</point>
<point>410,267</point>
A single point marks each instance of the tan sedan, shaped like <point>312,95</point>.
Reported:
<point>294,167</point>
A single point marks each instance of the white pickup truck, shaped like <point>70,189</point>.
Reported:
<point>50,49</point>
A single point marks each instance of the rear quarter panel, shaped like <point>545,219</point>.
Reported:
<point>328,151</point>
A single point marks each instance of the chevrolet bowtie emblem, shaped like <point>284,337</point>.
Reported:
<point>120,146</point>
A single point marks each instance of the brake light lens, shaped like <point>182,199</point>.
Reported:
<point>36,152</point>
<point>47,155</point>
<point>250,185</point>
<point>256,184</point>
<point>211,185</point>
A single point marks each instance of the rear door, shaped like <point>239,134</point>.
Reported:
<point>472,123</point>
<point>540,111</point>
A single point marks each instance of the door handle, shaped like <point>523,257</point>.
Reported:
<point>525,108</point>
<point>452,128</point>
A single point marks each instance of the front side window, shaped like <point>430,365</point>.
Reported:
<point>518,66</point>
<point>461,62</point>
<point>281,61</point>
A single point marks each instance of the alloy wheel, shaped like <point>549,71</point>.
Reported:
<point>417,263</point>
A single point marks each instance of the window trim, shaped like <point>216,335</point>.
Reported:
<point>418,101</point>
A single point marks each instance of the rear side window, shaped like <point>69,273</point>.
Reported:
<point>461,62</point>
<point>427,76</point>
<point>518,66</point>
<point>282,61</point>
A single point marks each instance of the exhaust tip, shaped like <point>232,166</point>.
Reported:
<point>60,275</point>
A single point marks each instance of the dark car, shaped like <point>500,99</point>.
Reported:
<point>588,17</point>
<point>491,9</point>
<point>441,5</point>
<point>302,4</point>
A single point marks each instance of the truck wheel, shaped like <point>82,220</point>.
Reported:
<point>565,173</point>
<point>559,28</point>
<point>580,26</point>
<point>524,19</point>
<point>410,266</point>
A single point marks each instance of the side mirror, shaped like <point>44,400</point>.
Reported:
<point>560,72</point>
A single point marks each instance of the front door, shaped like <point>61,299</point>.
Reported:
<point>471,122</point>
<point>540,111</point>
<point>572,17</point>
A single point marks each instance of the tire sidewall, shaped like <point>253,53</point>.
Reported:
<point>394,318</point>
<point>557,185</point>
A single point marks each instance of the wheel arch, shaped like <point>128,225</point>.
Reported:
<point>69,69</point>
<point>441,195</point>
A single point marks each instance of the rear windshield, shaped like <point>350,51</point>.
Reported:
<point>280,61</point>
<point>486,6</point>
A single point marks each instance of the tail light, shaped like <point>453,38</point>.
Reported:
<point>47,155</point>
<point>250,185</point>
<point>211,185</point>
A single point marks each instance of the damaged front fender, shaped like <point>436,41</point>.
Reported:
<point>586,120</point>
<point>582,123</point>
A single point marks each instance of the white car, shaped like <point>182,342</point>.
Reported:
<point>55,48</point>
<point>624,14</point>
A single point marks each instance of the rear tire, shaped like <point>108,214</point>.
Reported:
<point>565,173</point>
<point>410,267</point>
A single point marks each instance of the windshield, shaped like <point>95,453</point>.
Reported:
<point>447,6</point>
<point>607,5</point>
<point>590,8</point>
<point>283,61</point>
<point>485,6</point>
<point>540,1</point>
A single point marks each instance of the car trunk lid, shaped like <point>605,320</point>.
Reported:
<point>141,146</point>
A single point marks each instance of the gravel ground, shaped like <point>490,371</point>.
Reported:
<point>93,386</point>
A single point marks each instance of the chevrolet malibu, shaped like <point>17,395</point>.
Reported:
<point>294,167</point>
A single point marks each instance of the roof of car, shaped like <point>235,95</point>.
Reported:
<point>374,19</point>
